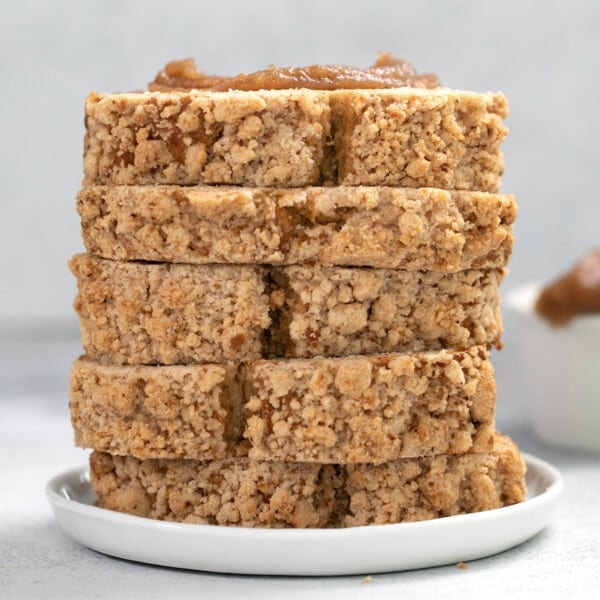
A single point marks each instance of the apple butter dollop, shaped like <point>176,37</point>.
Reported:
<point>387,72</point>
<point>574,293</point>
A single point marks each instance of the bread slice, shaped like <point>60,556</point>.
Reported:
<point>399,228</point>
<point>250,493</point>
<point>427,488</point>
<point>340,311</point>
<point>348,410</point>
<point>145,313</point>
<point>371,409</point>
<point>167,412</point>
<point>419,138</point>
<point>157,313</point>
<point>187,138</point>
<point>290,138</point>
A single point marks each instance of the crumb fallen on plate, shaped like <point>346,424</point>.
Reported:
<point>462,565</point>
<point>367,579</point>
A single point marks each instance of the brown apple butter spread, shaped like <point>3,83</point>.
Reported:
<point>387,72</point>
<point>575,293</point>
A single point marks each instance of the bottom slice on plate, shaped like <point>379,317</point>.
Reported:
<point>249,493</point>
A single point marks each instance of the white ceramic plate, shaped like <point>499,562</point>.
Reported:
<point>357,550</point>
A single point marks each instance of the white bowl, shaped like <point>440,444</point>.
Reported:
<point>561,367</point>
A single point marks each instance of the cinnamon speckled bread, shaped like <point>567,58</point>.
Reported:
<point>339,311</point>
<point>187,138</point>
<point>157,313</point>
<point>289,138</point>
<point>422,488</point>
<point>251,493</point>
<point>158,412</point>
<point>373,409</point>
<point>400,228</point>
<point>290,295</point>
<point>419,138</point>
<point>350,410</point>
<point>143,313</point>
<point>224,492</point>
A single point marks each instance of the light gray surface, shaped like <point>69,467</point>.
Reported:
<point>38,561</point>
<point>544,55</point>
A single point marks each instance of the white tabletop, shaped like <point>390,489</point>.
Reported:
<point>38,561</point>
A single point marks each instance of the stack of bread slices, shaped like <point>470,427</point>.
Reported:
<point>288,303</point>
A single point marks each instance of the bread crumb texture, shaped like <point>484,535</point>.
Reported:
<point>345,410</point>
<point>290,138</point>
<point>250,493</point>
<point>421,229</point>
<point>158,313</point>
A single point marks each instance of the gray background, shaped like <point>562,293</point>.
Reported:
<point>545,56</point>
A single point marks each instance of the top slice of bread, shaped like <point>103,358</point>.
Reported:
<point>289,138</point>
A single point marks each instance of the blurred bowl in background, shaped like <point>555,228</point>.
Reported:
<point>561,371</point>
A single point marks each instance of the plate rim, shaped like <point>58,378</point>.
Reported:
<point>57,500</point>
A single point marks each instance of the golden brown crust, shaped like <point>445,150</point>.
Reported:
<point>251,493</point>
<point>290,138</point>
<point>400,228</point>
